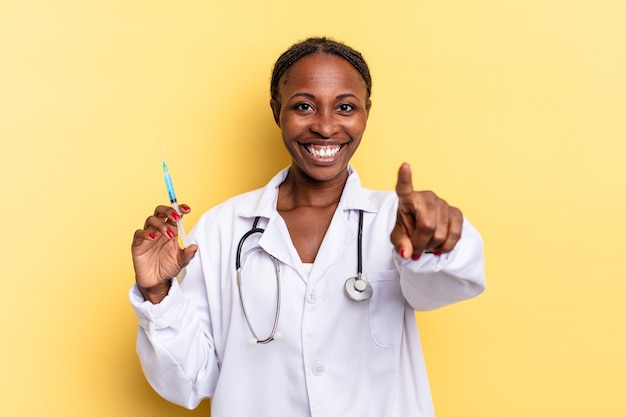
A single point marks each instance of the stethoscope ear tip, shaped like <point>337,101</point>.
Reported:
<point>252,341</point>
<point>277,336</point>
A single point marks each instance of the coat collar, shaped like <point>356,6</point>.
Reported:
<point>276,240</point>
<point>354,197</point>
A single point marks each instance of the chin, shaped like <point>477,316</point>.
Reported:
<point>323,174</point>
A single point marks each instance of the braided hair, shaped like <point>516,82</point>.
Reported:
<point>318,45</point>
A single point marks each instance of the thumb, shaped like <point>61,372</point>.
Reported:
<point>404,186</point>
<point>187,254</point>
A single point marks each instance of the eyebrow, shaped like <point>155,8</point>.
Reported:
<point>311,96</point>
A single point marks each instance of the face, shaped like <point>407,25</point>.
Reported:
<point>322,110</point>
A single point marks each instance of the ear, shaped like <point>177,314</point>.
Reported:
<point>368,106</point>
<point>275,105</point>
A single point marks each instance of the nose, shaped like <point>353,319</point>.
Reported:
<point>325,124</point>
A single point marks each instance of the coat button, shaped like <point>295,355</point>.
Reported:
<point>312,298</point>
<point>318,369</point>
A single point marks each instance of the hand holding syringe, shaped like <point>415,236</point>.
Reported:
<point>157,255</point>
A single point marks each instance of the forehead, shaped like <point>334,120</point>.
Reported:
<point>323,71</point>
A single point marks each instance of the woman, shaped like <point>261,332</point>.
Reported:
<point>348,346</point>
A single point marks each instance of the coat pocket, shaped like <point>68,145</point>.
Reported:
<point>386,308</point>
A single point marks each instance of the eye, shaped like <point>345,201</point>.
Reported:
<point>345,107</point>
<point>303,107</point>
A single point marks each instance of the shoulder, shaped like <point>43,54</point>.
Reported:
<point>231,207</point>
<point>358,197</point>
<point>382,198</point>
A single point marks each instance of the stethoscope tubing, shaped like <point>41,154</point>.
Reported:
<point>356,288</point>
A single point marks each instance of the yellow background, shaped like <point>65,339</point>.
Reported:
<point>513,110</point>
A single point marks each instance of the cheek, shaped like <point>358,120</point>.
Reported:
<point>290,127</point>
<point>357,127</point>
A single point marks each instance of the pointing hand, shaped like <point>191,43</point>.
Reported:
<point>425,222</point>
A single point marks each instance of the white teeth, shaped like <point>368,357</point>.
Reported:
<point>323,151</point>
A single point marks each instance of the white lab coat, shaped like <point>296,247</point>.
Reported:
<point>337,357</point>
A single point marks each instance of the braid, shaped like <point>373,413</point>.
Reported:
<point>318,45</point>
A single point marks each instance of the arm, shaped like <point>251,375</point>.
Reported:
<point>174,340</point>
<point>438,254</point>
<point>435,281</point>
<point>175,348</point>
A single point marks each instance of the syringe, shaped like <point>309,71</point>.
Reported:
<point>172,195</point>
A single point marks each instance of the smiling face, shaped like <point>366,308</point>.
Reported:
<point>321,109</point>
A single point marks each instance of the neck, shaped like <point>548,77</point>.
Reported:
<point>299,190</point>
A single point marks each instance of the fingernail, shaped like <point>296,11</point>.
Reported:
<point>175,216</point>
<point>402,252</point>
<point>437,253</point>
<point>152,235</point>
<point>416,256</point>
<point>185,207</point>
<point>170,233</point>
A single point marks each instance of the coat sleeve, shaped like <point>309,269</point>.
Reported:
<point>436,281</point>
<point>174,344</point>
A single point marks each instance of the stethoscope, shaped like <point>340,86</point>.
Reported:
<point>356,288</point>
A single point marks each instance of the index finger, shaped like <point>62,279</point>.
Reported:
<point>404,186</point>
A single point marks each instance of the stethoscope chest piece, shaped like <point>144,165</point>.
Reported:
<point>358,289</point>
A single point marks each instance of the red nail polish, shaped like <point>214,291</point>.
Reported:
<point>170,233</point>
<point>175,216</point>
<point>402,252</point>
<point>185,207</point>
<point>416,256</point>
<point>152,235</point>
<point>437,253</point>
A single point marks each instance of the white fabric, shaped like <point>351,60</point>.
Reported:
<point>337,357</point>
